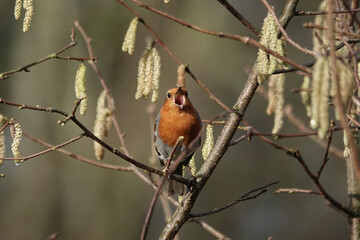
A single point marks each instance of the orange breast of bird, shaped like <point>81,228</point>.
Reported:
<point>176,122</point>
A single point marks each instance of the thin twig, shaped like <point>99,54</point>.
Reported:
<point>53,148</point>
<point>296,154</point>
<point>296,190</point>
<point>78,157</point>
<point>326,157</point>
<point>240,17</point>
<point>306,13</point>
<point>245,197</point>
<point>55,55</point>
<point>157,192</point>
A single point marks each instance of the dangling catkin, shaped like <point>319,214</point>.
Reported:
<point>267,63</point>
<point>28,6</point>
<point>130,37</point>
<point>320,96</point>
<point>277,100</point>
<point>209,142</point>
<point>17,9</point>
<point>16,142</point>
<point>102,123</point>
<point>156,74</point>
<point>305,95</point>
<point>149,74</point>
<point>80,87</point>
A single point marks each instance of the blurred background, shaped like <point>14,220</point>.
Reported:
<point>55,193</point>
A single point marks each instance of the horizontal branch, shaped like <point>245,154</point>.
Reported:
<point>296,190</point>
<point>53,148</point>
<point>55,55</point>
<point>307,13</point>
<point>89,134</point>
<point>78,157</point>
<point>245,197</point>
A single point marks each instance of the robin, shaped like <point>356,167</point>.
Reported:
<point>177,118</point>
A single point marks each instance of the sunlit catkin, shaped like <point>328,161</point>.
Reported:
<point>209,142</point>
<point>181,81</point>
<point>267,63</point>
<point>278,99</point>
<point>102,124</point>
<point>149,74</point>
<point>192,165</point>
<point>130,37</point>
<point>305,95</point>
<point>80,87</point>
<point>141,79</point>
<point>156,74</point>
<point>320,96</point>
<point>28,6</point>
<point>16,142</point>
<point>17,9</point>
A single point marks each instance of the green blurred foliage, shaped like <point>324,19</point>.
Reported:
<point>54,193</point>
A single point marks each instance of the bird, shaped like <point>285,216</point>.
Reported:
<point>177,117</point>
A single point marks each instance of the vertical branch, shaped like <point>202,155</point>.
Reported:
<point>353,193</point>
<point>352,159</point>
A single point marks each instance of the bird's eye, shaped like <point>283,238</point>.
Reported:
<point>168,95</point>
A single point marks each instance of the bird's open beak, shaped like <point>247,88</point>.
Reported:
<point>179,98</point>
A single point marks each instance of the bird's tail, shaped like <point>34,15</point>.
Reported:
<point>174,187</point>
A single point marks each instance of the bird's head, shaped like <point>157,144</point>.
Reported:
<point>177,97</point>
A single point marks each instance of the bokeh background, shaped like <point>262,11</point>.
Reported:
<point>54,193</point>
